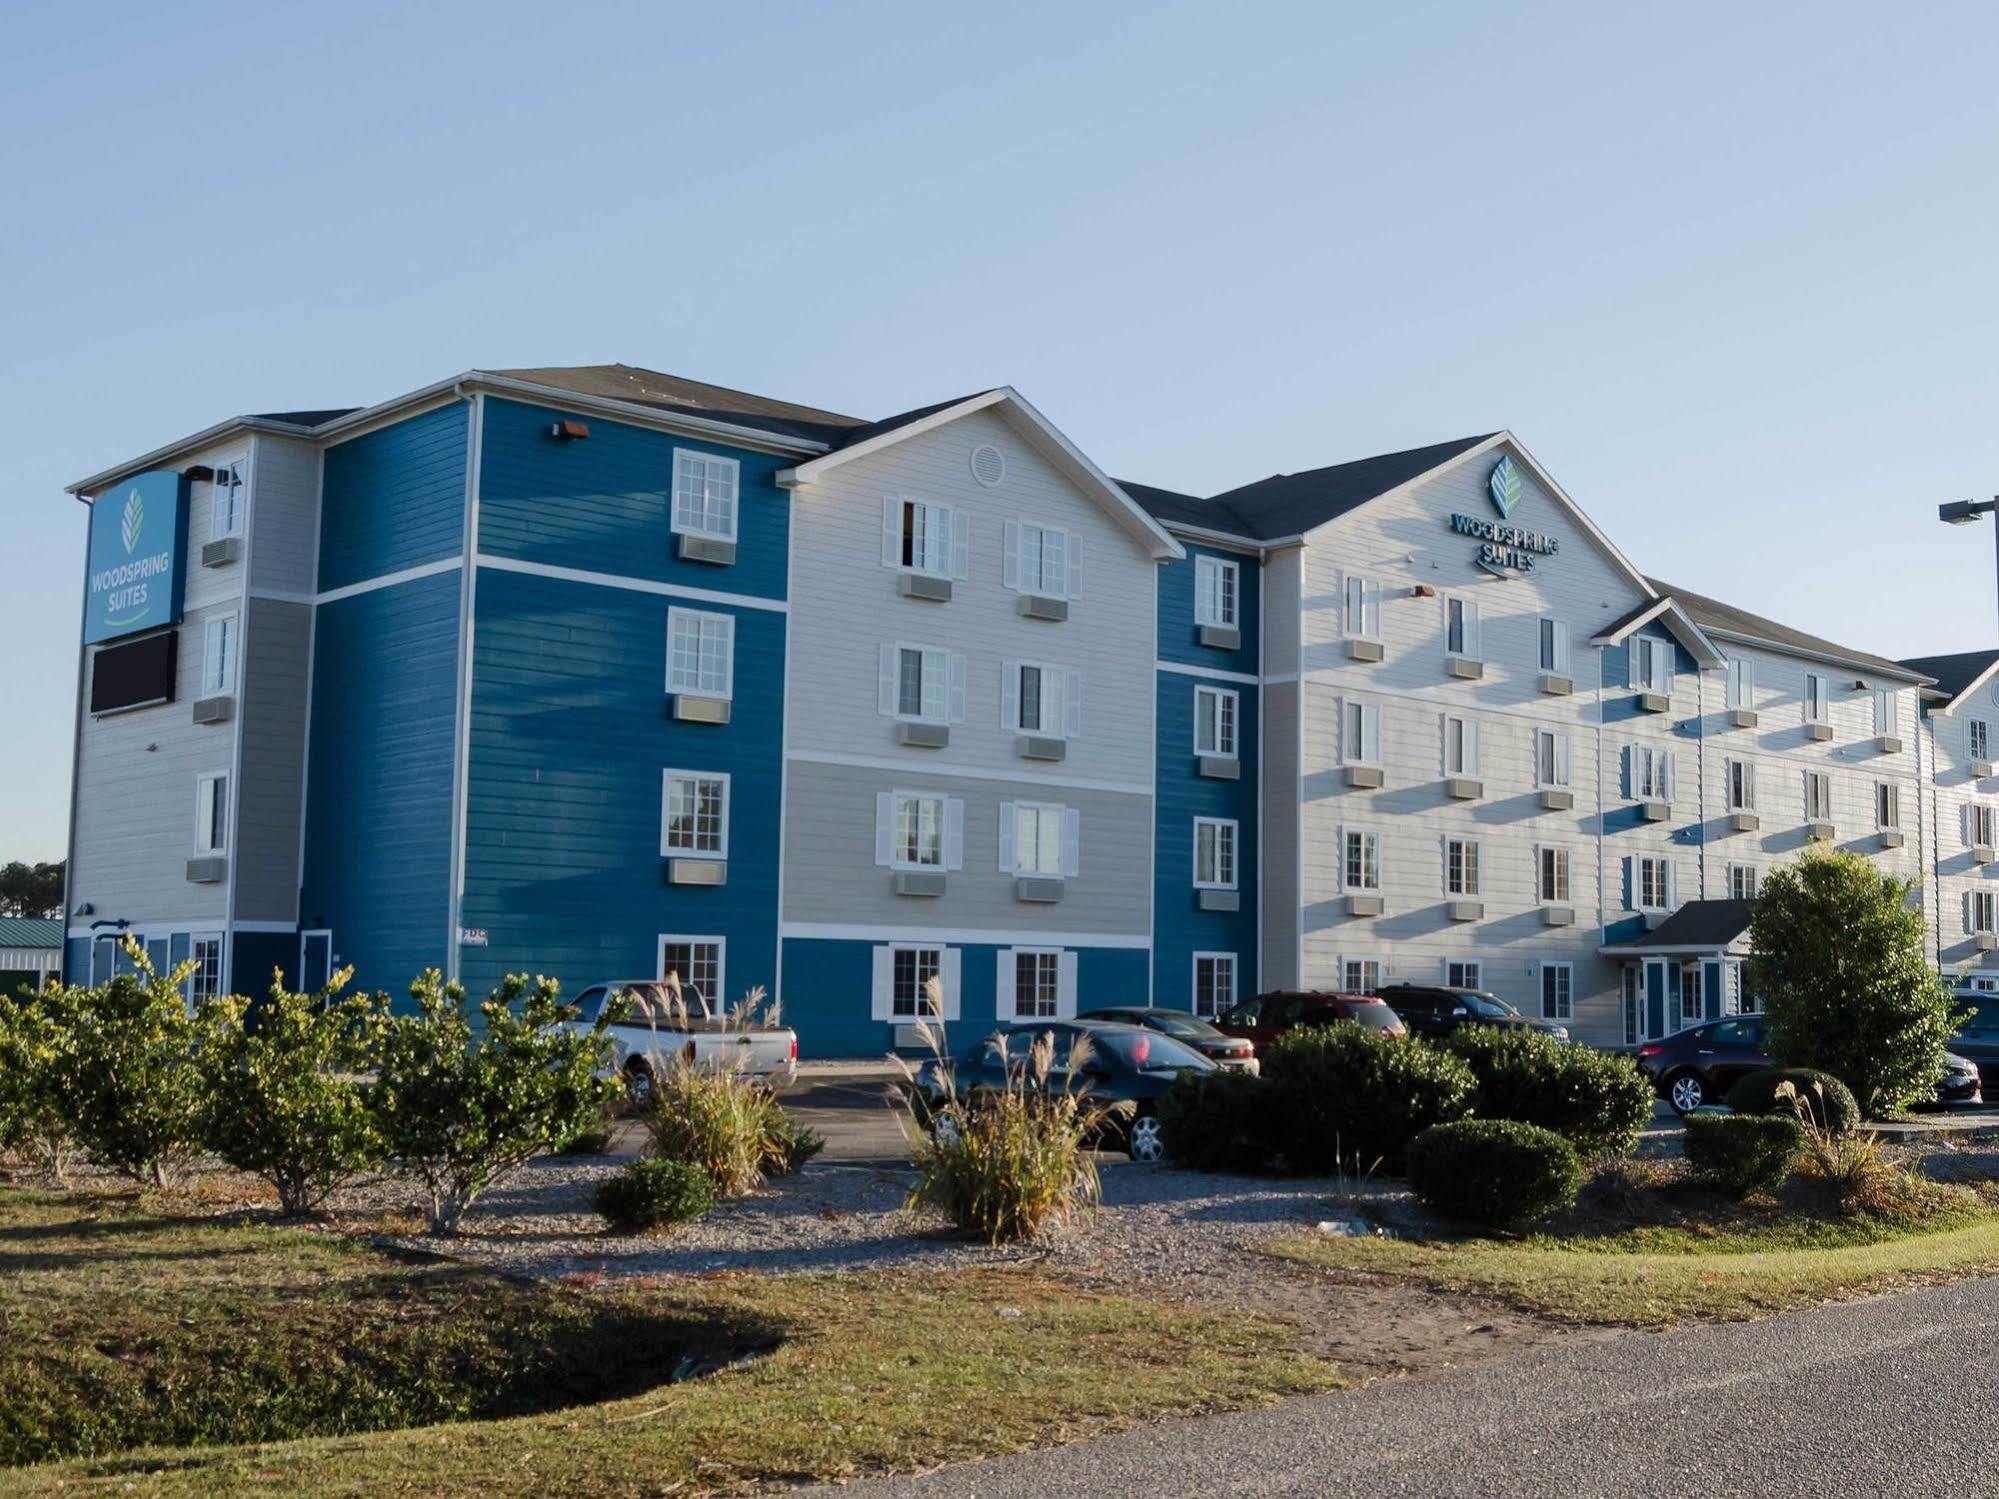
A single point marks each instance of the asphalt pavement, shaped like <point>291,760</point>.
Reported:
<point>1888,1395</point>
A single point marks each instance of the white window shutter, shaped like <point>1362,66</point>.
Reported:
<point>1370,733</point>
<point>1010,694</point>
<point>954,832</point>
<point>1009,858</point>
<point>887,684</point>
<point>1471,746</point>
<point>1671,788</point>
<point>1005,978</point>
<point>961,544</point>
<point>1010,555</point>
<point>884,827</point>
<point>1072,842</point>
<point>1562,758</point>
<point>884,981</point>
<point>1074,704</point>
<point>1075,566</point>
<point>891,533</point>
<point>1561,648</point>
<point>1370,593</point>
<point>1631,772</point>
<point>1065,1000</point>
<point>951,970</point>
<point>955,713</point>
<point>1672,884</point>
<point>1471,632</point>
<point>1634,674</point>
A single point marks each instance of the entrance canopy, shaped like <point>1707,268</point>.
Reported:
<point>1700,928</point>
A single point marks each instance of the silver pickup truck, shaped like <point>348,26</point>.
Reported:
<point>658,1029</point>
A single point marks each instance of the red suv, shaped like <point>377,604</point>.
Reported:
<point>1269,1016</point>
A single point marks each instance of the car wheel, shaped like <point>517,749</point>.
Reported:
<point>1144,1140</point>
<point>1686,1092</point>
<point>638,1083</point>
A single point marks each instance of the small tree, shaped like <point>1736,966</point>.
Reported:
<point>1845,986</point>
<point>285,1098</point>
<point>134,1096</point>
<point>462,1107</point>
<point>35,1068</point>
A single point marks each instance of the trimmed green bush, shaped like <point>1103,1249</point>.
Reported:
<point>1743,1153</point>
<point>1345,1097</point>
<point>1217,1121</point>
<point>1497,1172</point>
<point>1597,1102</point>
<point>651,1193</point>
<point>1829,1101</point>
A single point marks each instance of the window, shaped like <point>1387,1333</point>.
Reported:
<point>1817,700</point>
<point>1360,732</point>
<point>1460,746</point>
<point>1887,805</point>
<point>704,495</point>
<point>1741,779</point>
<point>205,982</point>
<point>917,831</point>
<point>1362,862</point>
<point>1742,882</point>
<point>1651,773</point>
<point>1216,585</point>
<point>921,537</point>
<point>1040,559</point>
<point>1690,1008</point>
<point>1464,973</point>
<point>1558,991</point>
<point>1551,757</point>
<point>1039,839</point>
<point>700,653</point>
<point>1651,882</point>
<point>1358,975</point>
<point>697,963</point>
<point>1361,607</point>
<point>1741,684</point>
<point>1552,876</point>
<point>1214,853</point>
<point>1554,646</point>
<point>1651,664</point>
<point>218,655</point>
<point>211,814</point>
<point>696,821</point>
<point>1634,1007</point>
<point>226,499</point>
<point>1461,628</point>
<point>922,683</point>
<point>1981,907</point>
<point>1984,825</point>
<point>1214,721</point>
<point>1818,796</point>
<point>1461,876</point>
<point>1214,983</point>
<point>1041,699</point>
<point>1980,737</point>
<point>913,969</point>
<point>1884,710</point>
<point>1037,983</point>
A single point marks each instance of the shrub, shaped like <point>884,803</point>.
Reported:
<point>788,1145</point>
<point>725,1122</point>
<point>1743,1153</point>
<point>36,1072</point>
<point>1217,1121</point>
<point>135,1098</point>
<point>283,1095</point>
<point>651,1194</point>
<point>1840,968</point>
<point>1597,1102</point>
<point>1498,1172</point>
<point>462,1107</point>
<point>1343,1096</point>
<point>1816,1097</point>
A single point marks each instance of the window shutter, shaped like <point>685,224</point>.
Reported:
<point>951,971</point>
<point>1967,913</point>
<point>1005,980</point>
<point>1072,842</point>
<point>891,533</point>
<point>1562,759</point>
<point>1010,694</point>
<point>1065,999</point>
<point>884,980</point>
<point>1010,555</point>
<point>1370,733</point>
<point>1471,746</point>
<point>1370,593</point>
<point>1672,884</point>
<point>1630,883</point>
<point>954,832</point>
<point>1075,567</point>
<point>1074,704</point>
<point>1666,783</point>
<point>886,686</point>
<point>956,711</point>
<point>1634,674</point>
<point>1009,859</point>
<point>1561,648</point>
<point>1664,656</point>
<point>961,544</point>
<point>1471,632</point>
<point>1631,772</point>
<point>884,828</point>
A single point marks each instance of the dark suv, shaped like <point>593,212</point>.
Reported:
<point>1439,1009</point>
<point>1701,1063</point>
<point>1263,1019</point>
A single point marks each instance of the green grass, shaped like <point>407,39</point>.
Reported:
<point>1657,1276</point>
<point>249,1358</point>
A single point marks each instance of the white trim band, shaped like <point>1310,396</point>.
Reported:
<point>634,585</point>
<point>903,767</point>
<point>389,580</point>
<point>833,931</point>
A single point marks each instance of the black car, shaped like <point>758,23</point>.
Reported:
<point>1977,1039</point>
<point>1123,1064</point>
<point>1231,1052</point>
<point>1697,1066</point>
<point>1439,1009</point>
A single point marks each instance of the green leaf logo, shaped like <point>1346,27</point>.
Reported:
<point>1505,487</point>
<point>135,517</point>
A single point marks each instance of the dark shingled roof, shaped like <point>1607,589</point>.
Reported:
<point>1170,507</point>
<point>643,387</point>
<point>1287,504</point>
<point>1712,614</point>
<point>902,419</point>
<point>1699,923</point>
<point>1953,673</point>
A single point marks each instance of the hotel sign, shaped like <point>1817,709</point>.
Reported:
<point>138,532</point>
<point>1505,549</point>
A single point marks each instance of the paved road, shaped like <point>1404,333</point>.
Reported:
<point>1892,1395</point>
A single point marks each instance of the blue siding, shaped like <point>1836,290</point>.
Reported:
<point>1179,636</point>
<point>604,504</point>
<point>1179,929</point>
<point>829,1000</point>
<point>571,730</point>
<point>255,954</point>
<point>378,808</point>
<point>394,498</point>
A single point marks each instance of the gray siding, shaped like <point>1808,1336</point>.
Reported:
<point>284,516</point>
<point>1281,826</point>
<point>275,645</point>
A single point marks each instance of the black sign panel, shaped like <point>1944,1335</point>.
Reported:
<point>134,674</point>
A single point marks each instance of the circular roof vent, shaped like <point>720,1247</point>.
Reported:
<point>988,464</point>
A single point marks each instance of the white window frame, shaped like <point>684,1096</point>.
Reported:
<point>1981,911</point>
<point>1741,682</point>
<point>219,665</point>
<point>1735,873</point>
<point>1817,698</point>
<point>1360,731</point>
<point>1884,711</point>
<point>703,623</point>
<point>947,666</point>
<point>1466,624</point>
<point>1227,840</point>
<point>1464,973</point>
<point>1551,642</point>
<point>1983,821</point>
<point>1370,843</point>
<point>1006,986</point>
<point>949,557</point>
<point>667,847</point>
<point>204,981</point>
<point>1820,781</point>
<point>1640,864</point>
<point>896,858</point>
<point>1226,711</point>
<point>717,998</point>
<point>1359,982</point>
<point>1217,592</point>
<point>1360,608</point>
<point>211,806</point>
<point>1466,761</point>
<point>947,961</point>
<point>1470,856</point>
<point>712,512</point>
<point>1565,866</point>
<point>1562,1005</point>
<point>1651,772</point>
<point>1738,785</point>
<point>1888,806</point>
<point>1068,823</point>
<point>1557,766</point>
<point>1651,668</point>
<point>1014,560</point>
<point>1218,962</point>
<point>1978,738</point>
<point>1013,700</point>
<point>226,497</point>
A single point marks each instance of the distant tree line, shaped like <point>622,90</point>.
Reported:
<point>31,889</point>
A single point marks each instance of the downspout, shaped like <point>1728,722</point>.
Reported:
<point>462,727</point>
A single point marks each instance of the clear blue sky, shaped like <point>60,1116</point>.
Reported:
<point>1727,270</point>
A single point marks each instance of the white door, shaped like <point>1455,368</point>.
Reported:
<point>315,961</point>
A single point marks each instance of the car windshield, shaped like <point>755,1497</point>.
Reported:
<point>1376,1017</point>
<point>1146,1051</point>
<point>1183,1027</point>
<point>653,1004</point>
<point>1984,1017</point>
<point>1487,1006</point>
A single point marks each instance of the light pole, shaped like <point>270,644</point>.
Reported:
<point>1964,512</point>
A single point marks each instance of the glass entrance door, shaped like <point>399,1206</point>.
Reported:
<point>315,961</point>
